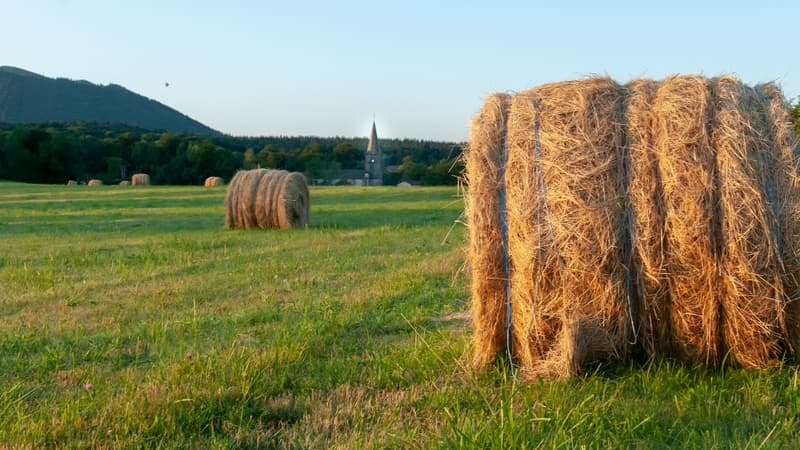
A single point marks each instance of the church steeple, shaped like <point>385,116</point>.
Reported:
<point>373,161</point>
<point>372,146</point>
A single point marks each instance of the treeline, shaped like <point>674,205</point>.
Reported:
<point>54,153</point>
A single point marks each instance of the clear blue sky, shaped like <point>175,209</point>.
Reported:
<point>422,67</point>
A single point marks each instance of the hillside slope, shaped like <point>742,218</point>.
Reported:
<point>27,97</point>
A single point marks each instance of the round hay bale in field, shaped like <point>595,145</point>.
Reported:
<point>72,183</point>
<point>657,213</point>
<point>95,182</point>
<point>264,198</point>
<point>124,183</point>
<point>214,182</point>
<point>140,179</point>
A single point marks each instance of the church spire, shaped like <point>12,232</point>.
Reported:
<point>373,160</point>
<point>372,146</point>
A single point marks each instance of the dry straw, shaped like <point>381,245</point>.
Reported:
<point>484,162</point>
<point>646,200</point>
<point>784,147</point>
<point>752,305</point>
<point>565,221</point>
<point>95,182</point>
<point>660,214</point>
<point>213,182</point>
<point>687,164</point>
<point>264,198</point>
<point>140,179</point>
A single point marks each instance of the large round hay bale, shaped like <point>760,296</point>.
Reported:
<point>662,213</point>
<point>214,182</point>
<point>264,198</point>
<point>72,183</point>
<point>140,179</point>
<point>124,183</point>
<point>95,182</point>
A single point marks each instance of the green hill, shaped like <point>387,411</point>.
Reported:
<point>27,97</point>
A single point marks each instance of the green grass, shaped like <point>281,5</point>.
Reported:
<point>352,333</point>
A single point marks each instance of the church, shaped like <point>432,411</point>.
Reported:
<point>373,161</point>
<point>371,174</point>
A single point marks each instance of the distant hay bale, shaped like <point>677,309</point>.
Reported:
<point>264,198</point>
<point>140,179</point>
<point>662,213</point>
<point>95,182</point>
<point>72,183</point>
<point>124,183</point>
<point>213,182</point>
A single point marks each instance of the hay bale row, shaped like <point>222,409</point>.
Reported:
<point>264,198</point>
<point>213,182</point>
<point>140,179</point>
<point>657,214</point>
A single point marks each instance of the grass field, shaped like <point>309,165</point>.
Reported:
<point>352,333</point>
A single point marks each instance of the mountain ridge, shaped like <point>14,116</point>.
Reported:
<point>28,98</point>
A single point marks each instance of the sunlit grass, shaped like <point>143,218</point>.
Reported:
<point>351,333</point>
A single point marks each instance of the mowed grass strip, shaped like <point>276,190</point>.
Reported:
<point>351,333</point>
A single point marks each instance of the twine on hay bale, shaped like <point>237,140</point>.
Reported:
<point>661,214</point>
<point>140,179</point>
<point>264,198</point>
<point>213,182</point>
<point>94,182</point>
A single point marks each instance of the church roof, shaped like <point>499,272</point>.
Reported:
<point>372,146</point>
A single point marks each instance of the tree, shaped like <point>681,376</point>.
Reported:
<point>411,170</point>
<point>249,160</point>
<point>348,155</point>
<point>58,160</point>
<point>443,172</point>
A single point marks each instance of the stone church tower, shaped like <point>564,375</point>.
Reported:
<point>373,161</point>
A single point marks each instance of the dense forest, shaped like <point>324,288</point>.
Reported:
<point>57,152</point>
